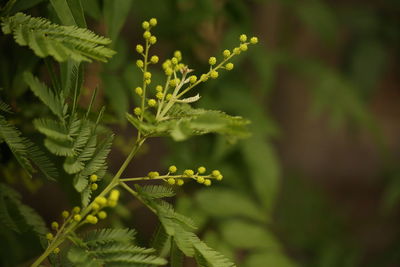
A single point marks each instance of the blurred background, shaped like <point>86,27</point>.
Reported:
<point>318,182</point>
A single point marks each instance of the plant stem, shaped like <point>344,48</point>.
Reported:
<point>60,237</point>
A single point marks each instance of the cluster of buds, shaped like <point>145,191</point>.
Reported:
<point>172,178</point>
<point>93,179</point>
<point>178,82</point>
<point>76,215</point>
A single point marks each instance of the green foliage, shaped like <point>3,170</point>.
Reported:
<point>182,121</point>
<point>112,247</point>
<point>61,42</point>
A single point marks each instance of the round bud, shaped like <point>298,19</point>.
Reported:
<point>54,225</point>
<point>139,48</point>
<point>226,53</point>
<point>229,66</point>
<point>215,173</point>
<point>139,90</point>
<point>152,102</point>
<point>112,203</point>
<point>168,97</point>
<point>172,169</point>
<point>178,55</point>
<point>95,206</point>
<point>174,60</point>
<point>153,22</point>
<point>219,177</point>
<point>212,60</point>
<point>180,182</point>
<point>188,173</point>
<point>201,170</point>
<point>93,178</point>
<point>153,175</point>
<point>204,77</point>
<point>159,88</point>
<point>153,40</point>
<point>159,95</point>
<point>137,111</point>
<point>236,51</point>
<point>76,209</point>
<point>56,250</point>
<point>172,83</point>
<point>193,79</point>
<point>207,182</point>
<point>102,215</point>
<point>91,219</point>
<point>139,63</point>
<point>77,217</point>
<point>243,38</point>
<point>168,71</point>
<point>114,195</point>
<point>49,236</point>
<point>65,214</point>
<point>147,75</point>
<point>147,81</point>
<point>171,181</point>
<point>146,35</point>
<point>154,59</point>
<point>102,201</point>
<point>94,187</point>
<point>254,40</point>
<point>145,25</point>
<point>200,180</point>
<point>214,74</point>
<point>243,47</point>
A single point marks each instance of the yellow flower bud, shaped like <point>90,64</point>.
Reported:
<point>174,60</point>
<point>212,60</point>
<point>145,25</point>
<point>171,181</point>
<point>201,170</point>
<point>76,209</point>
<point>147,75</point>
<point>168,72</point>
<point>146,35</point>
<point>93,178</point>
<point>215,173</point>
<point>153,22</point>
<point>178,55</point>
<point>226,53</point>
<point>159,88</point>
<point>139,90</point>
<point>219,177</point>
<point>139,63</point>
<point>243,47</point>
<point>112,203</point>
<point>49,236</point>
<point>193,79</point>
<point>207,182</point>
<point>154,59</point>
<point>114,195</point>
<point>168,97</point>
<point>153,175</point>
<point>91,219</point>
<point>243,38</point>
<point>254,40</point>
<point>159,95</point>
<point>77,217</point>
<point>153,40</point>
<point>139,48</point>
<point>65,214</point>
<point>102,215</point>
<point>204,77</point>
<point>172,169</point>
<point>200,179</point>
<point>56,250</point>
<point>229,66</point>
<point>94,187</point>
<point>152,102</point>
<point>102,201</point>
<point>214,74</point>
<point>188,173</point>
<point>54,225</point>
<point>95,206</point>
<point>180,182</point>
<point>137,111</point>
<point>236,51</point>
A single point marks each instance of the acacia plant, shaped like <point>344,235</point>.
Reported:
<point>75,145</point>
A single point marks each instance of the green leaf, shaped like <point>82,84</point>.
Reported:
<point>225,203</point>
<point>109,235</point>
<point>52,129</point>
<point>61,42</point>
<point>157,191</point>
<point>115,14</point>
<point>70,12</point>
<point>183,121</point>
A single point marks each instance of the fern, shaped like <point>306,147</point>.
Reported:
<point>4,107</point>
<point>55,102</point>
<point>18,216</point>
<point>156,191</point>
<point>184,121</point>
<point>61,42</point>
<point>25,151</point>
<point>112,247</point>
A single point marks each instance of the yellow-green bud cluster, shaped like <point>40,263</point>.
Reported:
<point>93,179</point>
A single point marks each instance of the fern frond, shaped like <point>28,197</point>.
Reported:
<point>109,235</point>
<point>157,191</point>
<point>61,42</point>
<point>21,216</point>
<point>46,95</point>
<point>42,161</point>
<point>52,129</point>
<point>59,148</point>
<point>5,107</point>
